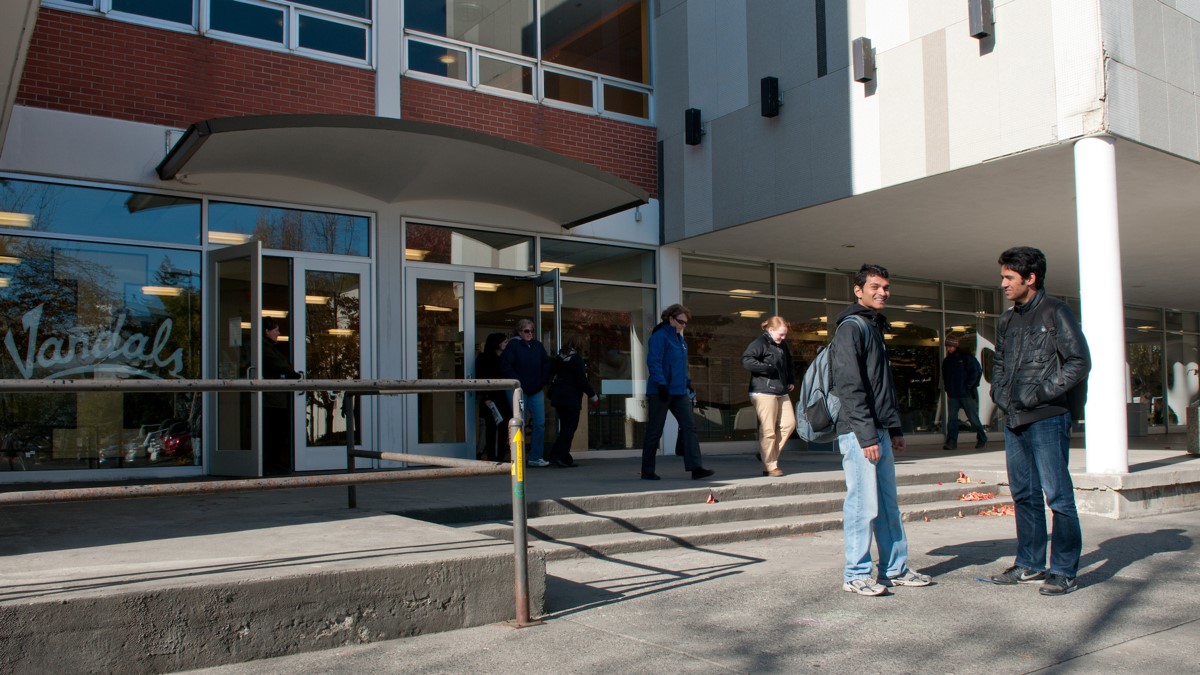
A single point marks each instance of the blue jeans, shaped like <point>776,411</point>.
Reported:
<point>870,508</point>
<point>971,406</point>
<point>1037,465</point>
<point>535,421</point>
<point>680,406</point>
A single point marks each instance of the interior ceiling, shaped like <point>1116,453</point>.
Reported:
<point>952,227</point>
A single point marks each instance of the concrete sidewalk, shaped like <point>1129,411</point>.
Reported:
<point>776,606</point>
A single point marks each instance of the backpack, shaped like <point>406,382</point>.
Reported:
<point>1076,396</point>
<point>818,407</point>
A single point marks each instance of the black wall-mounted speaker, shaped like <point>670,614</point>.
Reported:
<point>692,131</point>
<point>770,97</point>
<point>981,20</point>
<point>864,60</point>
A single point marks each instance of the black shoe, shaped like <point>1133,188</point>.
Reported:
<point>560,464</point>
<point>980,443</point>
<point>1057,584</point>
<point>950,446</point>
<point>650,476</point>
<point>1017,575</point>
<point>697,474</point>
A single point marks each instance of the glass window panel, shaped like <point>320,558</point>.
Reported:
<point>436,60</point>
<point>175,11</point>
<point>1143,318</point>
<point>66,209</point>
<point>914,350</point>
<point>915,294</point>
<point>602,36</point>
<point>505,75</point>
<point>333,37</point>
<point>85,3</point>
<point>597,261</point>
<point>240,18</point>
<point>971,299</point>
<point>1144,354</point>
<point>440,356</point>
<point>626,101</point>
<point>504,25</point>
<point>91,311</point>
<point>498,250</point>
<point>815,285</point>
<point>289,229</point>
<point>332,350</point>
<point>743,278</point>
<point>1183,376</point>
<point>568,89</point>
<point>359,8</point>
<point>717,333</point>
<point>611,325</point>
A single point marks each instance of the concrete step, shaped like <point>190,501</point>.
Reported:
<point>583,523</point>
<point>795,484</point>
<point>710,534</point>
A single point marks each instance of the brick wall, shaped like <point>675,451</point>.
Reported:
<point>620,148</point>
<point>97,66</point>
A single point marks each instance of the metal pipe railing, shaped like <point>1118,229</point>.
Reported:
<point>350,390</point>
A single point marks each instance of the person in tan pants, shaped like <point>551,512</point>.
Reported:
<point>772,376</point>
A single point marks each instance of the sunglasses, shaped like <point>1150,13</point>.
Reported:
<point>681,322</point>
<point>526,330</point>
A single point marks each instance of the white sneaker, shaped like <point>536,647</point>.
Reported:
<point>537,462</point>
<point>863,586</point>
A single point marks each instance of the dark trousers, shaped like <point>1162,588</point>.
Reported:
<point>495,437</point>
<point>971,407</point>
<point>1037,465</point>
<point>568,422</point>
<point>277,438</point>
<point>681,407</point>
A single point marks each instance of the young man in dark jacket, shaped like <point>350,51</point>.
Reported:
<point>868,426</point>
<point>1041,355</point>
<point>961,373</point>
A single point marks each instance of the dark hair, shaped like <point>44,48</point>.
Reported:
<point>674,311</point>
<point>1026,260</point>
<point>269,323</point>
<point>493,341</point>
<point>860,279</point>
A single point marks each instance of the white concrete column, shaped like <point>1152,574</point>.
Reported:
<point>1106,436</point>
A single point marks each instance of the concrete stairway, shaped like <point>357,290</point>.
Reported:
<point>602,525</point>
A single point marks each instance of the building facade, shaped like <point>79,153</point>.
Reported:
<point>392,182</point>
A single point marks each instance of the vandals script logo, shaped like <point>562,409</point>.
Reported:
<point>105,352</point>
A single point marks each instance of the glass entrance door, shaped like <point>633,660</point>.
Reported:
<point>235,448</point>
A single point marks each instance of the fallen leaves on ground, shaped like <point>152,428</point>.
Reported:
<point>962,478</point>
<point>999,510</point>
<point>712,499</point>
<point>976,496</point>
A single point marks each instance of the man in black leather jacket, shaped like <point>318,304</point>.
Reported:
<point>1041,355</point>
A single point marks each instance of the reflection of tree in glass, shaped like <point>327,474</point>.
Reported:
<point>436,240</point>
<point>328,355</point>
<point>313,231</point>
<point>37,199</point>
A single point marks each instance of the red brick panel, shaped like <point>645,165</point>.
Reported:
<point>620,148</point>
<point>97,66</point>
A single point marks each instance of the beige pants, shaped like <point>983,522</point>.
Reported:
<point>776,422</point>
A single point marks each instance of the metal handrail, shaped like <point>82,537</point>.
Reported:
<point>457,467</point>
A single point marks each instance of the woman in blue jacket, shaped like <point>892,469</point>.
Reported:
<point>668,388</point>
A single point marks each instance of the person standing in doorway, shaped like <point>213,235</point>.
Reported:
<point>525,359</point>
<point>961,373</point>
<point>495,407</point>
<point>568,385</point>
<point>868,428</point>
<point>1041,355</point>
<point>668,388</point>
<point>772,376</point>
<point>277,405</point>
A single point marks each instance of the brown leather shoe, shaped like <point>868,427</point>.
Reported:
<point>774,473</point>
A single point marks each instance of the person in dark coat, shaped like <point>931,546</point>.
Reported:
<point>772,376</point>
<point>495,407</point>
<point>568,385</point>
<point>525,359</point>
<point>277,405</point>
<point>961,373</point>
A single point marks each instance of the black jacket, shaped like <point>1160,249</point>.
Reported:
<point>527,361</point>
<point>961,373</point>
<point>770,365</point>
<point>1026,380</point>
<point>487,367</point>
<point>862,377</point>
<point>569,382</point>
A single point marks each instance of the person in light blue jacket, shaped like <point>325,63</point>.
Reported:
<point>668,388</point>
